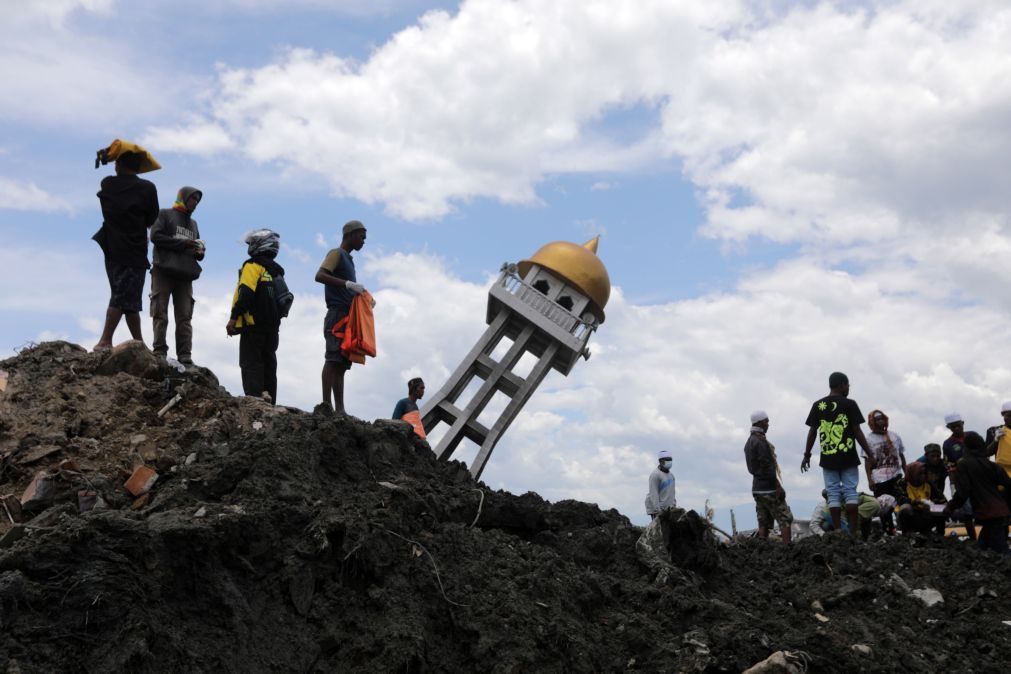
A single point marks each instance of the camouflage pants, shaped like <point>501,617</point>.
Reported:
<point>771,507</point>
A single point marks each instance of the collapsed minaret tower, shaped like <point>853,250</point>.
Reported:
<point>548,306</point>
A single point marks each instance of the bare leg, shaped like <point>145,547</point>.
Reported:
<point>763,533</point>
<point>133,323</point>
<point>112,316</point>
<point>787,534</point>
<point>853,518</point>
<point>836,519</point>
<point>333,386</point>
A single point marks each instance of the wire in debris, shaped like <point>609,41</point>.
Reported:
<point>438,579</point>
<point>479,506</point>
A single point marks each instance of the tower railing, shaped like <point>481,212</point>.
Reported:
<point>532,297</point>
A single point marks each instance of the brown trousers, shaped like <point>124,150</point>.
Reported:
<point>164,288</point>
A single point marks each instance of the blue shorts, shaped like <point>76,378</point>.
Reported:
<point>841,485</point>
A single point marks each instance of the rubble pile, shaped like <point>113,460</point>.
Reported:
<point>151,522</point>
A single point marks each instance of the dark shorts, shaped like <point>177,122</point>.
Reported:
<point>126,285</point>
<point>333,352</point>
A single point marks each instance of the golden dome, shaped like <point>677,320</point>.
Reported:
<point>579,266</point>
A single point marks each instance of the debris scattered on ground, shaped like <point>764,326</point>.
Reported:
<point>320,543</point>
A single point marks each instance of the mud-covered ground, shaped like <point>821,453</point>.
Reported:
<point>281,540</point>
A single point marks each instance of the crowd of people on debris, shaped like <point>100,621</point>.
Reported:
<point>906,496</point>
<point>131,214</point>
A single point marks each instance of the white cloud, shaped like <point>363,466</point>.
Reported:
<point>681,376</point>
<point>199,139</point>
<point>27,196</point>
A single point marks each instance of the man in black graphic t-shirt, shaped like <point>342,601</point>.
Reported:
<point>835,420</point>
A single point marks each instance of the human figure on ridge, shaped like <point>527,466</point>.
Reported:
<point>884,461</point>
<point>998,440</point>
<point>337,274</point>
<point>407,408</point>
<point>766,484</point>
<point>661,485</point>
<point>177,252</point>
<point>256,315</point>
<point>835,421</point>
<point>987,486</point>
<point>129,207</point>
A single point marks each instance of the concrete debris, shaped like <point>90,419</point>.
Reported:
<point>131,357</point>
<point>928,596</point>
<point>38,454</point>
<point>141,481</point>
<point>191,458</point>
<point>862,649</point>
<point>88,500</point>
<point>257,425</point>
<point>201,512</point>
<point>821,618</point>
<point>40,492</point>
<point>780,662</point>
<point>12,508</point>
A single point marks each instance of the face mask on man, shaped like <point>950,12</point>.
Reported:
<point>666,464</point>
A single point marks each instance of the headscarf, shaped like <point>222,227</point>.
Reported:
<point>183,195</point>
<point>916,474</point>
<point>263,242</point>
<point>889,448</point>
<point>974,444</point>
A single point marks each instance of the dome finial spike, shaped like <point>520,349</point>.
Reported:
<point>591,245</point>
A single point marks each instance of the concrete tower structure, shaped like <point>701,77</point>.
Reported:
<point>548,306</point>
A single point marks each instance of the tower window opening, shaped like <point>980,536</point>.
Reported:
<point>542,287</point>
<point>566,302</point>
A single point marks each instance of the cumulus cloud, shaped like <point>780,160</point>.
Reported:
<point>27,196</point>
<point>682,376</point>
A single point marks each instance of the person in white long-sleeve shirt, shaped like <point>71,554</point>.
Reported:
<point>661,486</point>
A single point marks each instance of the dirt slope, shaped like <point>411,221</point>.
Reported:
<point>280,540</point>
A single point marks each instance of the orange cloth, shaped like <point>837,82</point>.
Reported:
<point>414,419</point>
<point>357,330</point>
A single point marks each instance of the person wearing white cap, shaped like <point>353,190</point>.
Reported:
<point>954,447</point>
<point>998,440</point>
<point>766,483</point>
<point>661,486</point>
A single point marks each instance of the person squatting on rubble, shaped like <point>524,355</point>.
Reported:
<point>129,207</point>
<point>835,421</point>
<point>256,314</point>
<point>868,507</point>
<point>915,513</point>
<point>884,462</point>
<point>340,285</point>
<point>407,410</point>
<point>998,440</point>
<point>661,486</point>
<point>988,487</point>
<point>766,484</point>
<point>178,250</point>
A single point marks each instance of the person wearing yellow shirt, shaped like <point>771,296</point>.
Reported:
<point>998,440</point>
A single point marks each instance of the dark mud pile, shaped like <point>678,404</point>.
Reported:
<point>279,540</point>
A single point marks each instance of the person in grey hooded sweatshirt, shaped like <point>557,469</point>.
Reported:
<point>177,252</point>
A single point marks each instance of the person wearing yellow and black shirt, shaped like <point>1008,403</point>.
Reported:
<point>255,315</point>
<point>998,440</point>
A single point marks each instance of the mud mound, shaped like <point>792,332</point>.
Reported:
<point>280,540</point>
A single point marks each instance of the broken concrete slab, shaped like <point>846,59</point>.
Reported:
<point>12,508</point>
<point>141,481</point>
<point>40,491</point>
<point>38,454</point>
<point>929,596</point>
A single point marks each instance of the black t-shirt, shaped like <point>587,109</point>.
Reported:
<point>835,417</point>
<point>129,207</point>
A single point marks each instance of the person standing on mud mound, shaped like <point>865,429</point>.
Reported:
<point>129,208</point>
<point>766,483</point>
<point>884,462</point>
<point>256,315</point>
<point>998,440</point>
<point>340,285</point>
<point>661,486</point>
<point>835,421</point>
<point>177,252</point>
<point>407,408</point>
<point>989,488</point>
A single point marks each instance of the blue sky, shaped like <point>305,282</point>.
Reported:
<point>779,193</point>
